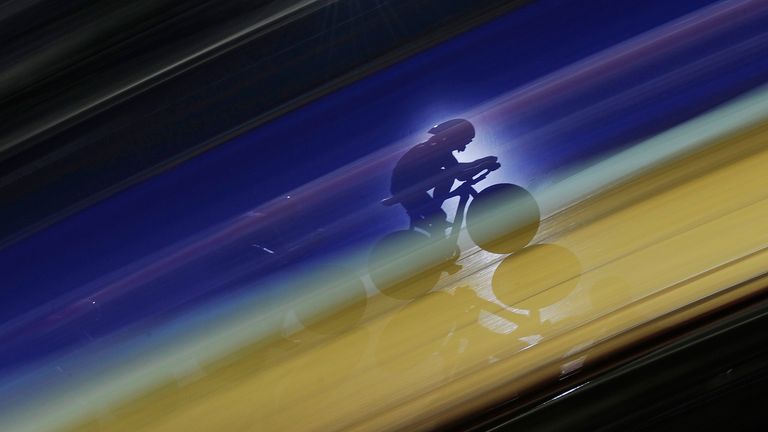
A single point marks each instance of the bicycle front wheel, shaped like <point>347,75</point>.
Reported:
<point>503,218</point>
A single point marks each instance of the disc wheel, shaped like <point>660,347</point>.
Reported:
<point>407,264</point>
<point>503,218</point>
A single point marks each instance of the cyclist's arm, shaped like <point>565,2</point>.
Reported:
<point>451,167</point>
<point>470,169</point>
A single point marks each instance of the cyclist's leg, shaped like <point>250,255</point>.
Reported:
<point>427,214</point>
<point>437,222</point>
<point>417,208</point>
<point>447,247</point>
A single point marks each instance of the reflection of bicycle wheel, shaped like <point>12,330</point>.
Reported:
<point>407,264</point>
<point>536,277</point>
<point>337,301</point>
<point>460,328</point>
<point>503,218</point>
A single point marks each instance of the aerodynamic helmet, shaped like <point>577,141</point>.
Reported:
<point>453,130</point>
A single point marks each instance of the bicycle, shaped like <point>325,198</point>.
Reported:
<point>502,219</point>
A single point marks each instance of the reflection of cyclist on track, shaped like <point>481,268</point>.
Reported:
<point>432,166</point>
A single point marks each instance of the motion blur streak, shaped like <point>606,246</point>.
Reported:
<point>662,224</point>
<point>26,65</point>
<point>447,351</point>
<point>643,49</point>
<point>684,238</point>
<point>615,63</point>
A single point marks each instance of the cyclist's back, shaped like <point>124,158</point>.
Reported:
<point>419,170</point>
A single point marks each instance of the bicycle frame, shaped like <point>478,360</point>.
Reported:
<point>458,219</point>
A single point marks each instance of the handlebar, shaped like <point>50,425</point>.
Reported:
<point>474,174</point>
<point>479,170</point>
<point>466,187</point>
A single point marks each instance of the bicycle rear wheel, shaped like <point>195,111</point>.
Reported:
<point>407,264</point>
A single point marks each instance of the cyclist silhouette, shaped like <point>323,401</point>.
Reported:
<point>431,166</point>
<point>502,218</point>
